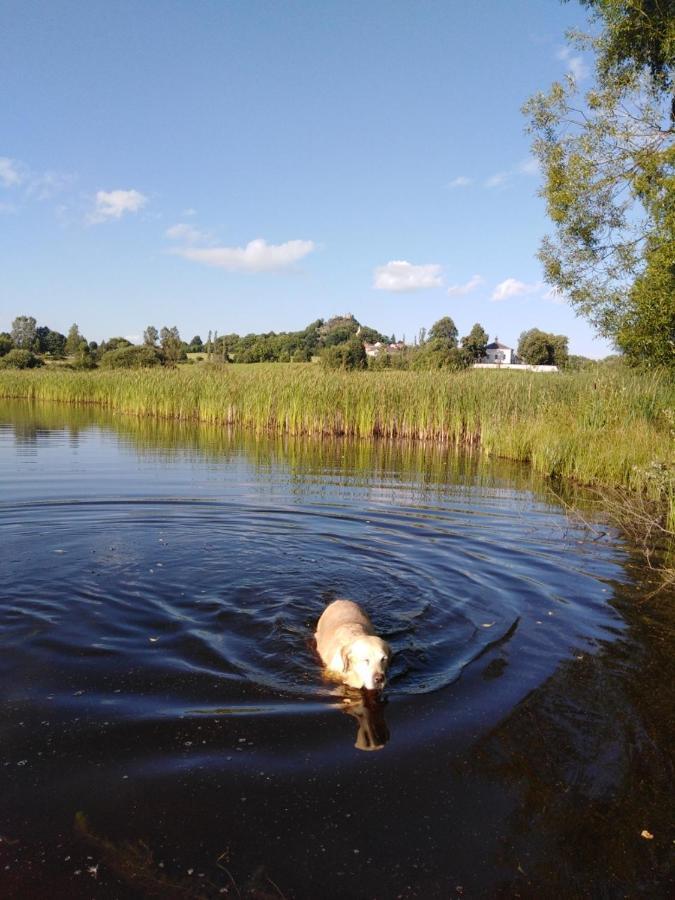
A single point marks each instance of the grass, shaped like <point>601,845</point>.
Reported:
<point>612,429</point>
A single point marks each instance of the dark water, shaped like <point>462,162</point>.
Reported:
<point>165,731</point>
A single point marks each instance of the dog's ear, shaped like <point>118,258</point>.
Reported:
<point>346,659</point>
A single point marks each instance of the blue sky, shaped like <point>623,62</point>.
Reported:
<point>248,166</point>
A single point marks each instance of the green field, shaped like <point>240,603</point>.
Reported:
<point>614,429</point>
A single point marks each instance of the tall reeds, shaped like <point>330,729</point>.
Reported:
<point>611,429</point>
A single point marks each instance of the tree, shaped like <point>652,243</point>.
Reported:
<point>172,346</point>
<point>349,355</point>
<point>372,336</point>
<point>559,350</point>
<point>608,161</point>
<point>638,34</point>
<point>115,343</point>
<point>475,342</point>
<point>6,343</point>
<point>73,340</point>
<point>444,332</point>
<point>84,358</point>
<point>196,344</point>
<point>355,354</point>
<point>52,342</point>
<point>24,332</point>
<point>150,336</point>
<point>541,348</point>
<point>534,347</point>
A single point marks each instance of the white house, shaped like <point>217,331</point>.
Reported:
<point>499,354</point>
<point>378,347</point>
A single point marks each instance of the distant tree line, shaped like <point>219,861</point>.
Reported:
<point>338,343</point>
<point>28,345</point>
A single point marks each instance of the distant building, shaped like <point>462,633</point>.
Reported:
<point>378,347</point>
<point>499,354</point>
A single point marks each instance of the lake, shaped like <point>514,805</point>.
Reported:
<point>166,731</point>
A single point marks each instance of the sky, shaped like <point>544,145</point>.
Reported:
<point>253,165</point>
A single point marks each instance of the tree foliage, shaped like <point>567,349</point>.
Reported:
<point>608,160</point>
<point>24,332</point>
<point>637,34</point>
<point>475,342</point>
<point>73,340</point>
<point>350,354</point>
<point>541,348</point>
<point>444,332</point>
<point>6,343</point>
<point>172,346</point>
<point>51,342</point>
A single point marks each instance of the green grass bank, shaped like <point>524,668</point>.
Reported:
<point>615,429</point>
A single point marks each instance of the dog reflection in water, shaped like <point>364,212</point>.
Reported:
<point>355,656</point>
<point>367,707</point>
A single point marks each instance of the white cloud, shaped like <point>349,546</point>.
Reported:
<point>114,204</point>
<point>578,68</point>
<point>461,290</point>
<point>30,185</point>
<point>399,275</point>
<point>12,173</point>
<point>575,64</point>
<point>188,233</point>
<point>511,287</point>
<point>256,256</point>
<point>497,180</point>
<point>134,338</point>
<point>460,181</point>
<point>529,166</point>
<point>45,185</point>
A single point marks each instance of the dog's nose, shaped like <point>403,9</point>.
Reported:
<point>379,680</point>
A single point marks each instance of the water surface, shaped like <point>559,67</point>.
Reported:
<point>165,727</point>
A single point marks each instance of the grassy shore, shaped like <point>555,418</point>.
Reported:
<point>610,429</point>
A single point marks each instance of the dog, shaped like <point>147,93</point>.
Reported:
<point>349,648</point>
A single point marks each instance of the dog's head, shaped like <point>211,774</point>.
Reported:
<point>365,661</point>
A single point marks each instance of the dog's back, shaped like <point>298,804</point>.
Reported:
<point>341,621</point>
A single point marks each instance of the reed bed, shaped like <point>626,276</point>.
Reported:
<point>613,429</point>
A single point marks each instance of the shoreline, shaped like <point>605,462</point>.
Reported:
<point>614,431</point>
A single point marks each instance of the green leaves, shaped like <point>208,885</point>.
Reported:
<point>608,160</point>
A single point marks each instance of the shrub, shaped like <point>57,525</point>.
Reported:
<point>6,343</point>
<point>20,359</point>
<point>350,355</point>
<point>131,358</point>
<point>302,354</point>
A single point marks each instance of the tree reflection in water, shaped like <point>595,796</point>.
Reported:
<point>590,756</point>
